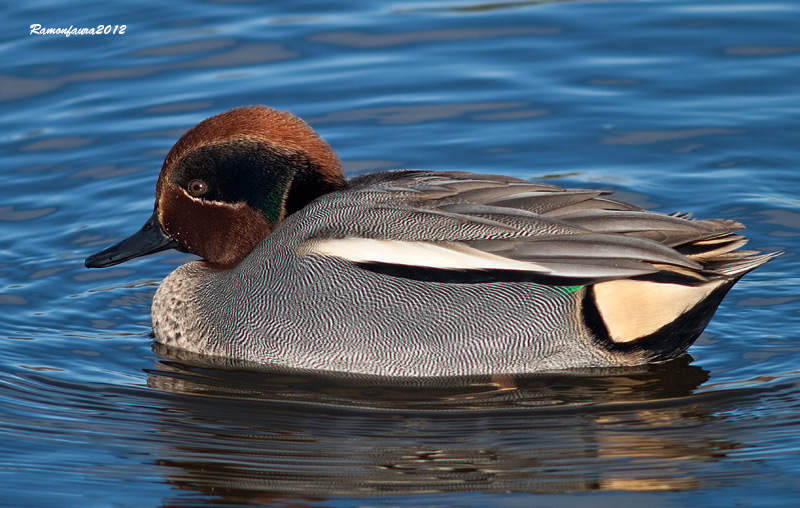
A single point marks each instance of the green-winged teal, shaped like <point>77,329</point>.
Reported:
<point>415,273</point>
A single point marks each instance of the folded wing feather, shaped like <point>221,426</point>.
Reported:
<point>462,221</point>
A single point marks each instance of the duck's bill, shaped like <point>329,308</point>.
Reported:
<point>148,240</point>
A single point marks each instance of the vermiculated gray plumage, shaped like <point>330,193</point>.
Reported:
<point>415,273</point>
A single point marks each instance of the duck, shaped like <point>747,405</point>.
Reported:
<point>415,273</point>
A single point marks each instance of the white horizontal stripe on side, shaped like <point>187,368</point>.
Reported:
<point>422,254</point>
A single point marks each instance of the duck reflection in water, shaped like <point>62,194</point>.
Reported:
<point>300,436</point>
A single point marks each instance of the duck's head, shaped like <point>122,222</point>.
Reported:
<point>227,183</point>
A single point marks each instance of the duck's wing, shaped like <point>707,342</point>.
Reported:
<point>453,226</point>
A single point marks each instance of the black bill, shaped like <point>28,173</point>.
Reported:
<point>151,238</point>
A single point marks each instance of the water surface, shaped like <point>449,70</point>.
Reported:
<point>674,105</point>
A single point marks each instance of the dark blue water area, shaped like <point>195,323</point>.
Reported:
<point>674,105</point>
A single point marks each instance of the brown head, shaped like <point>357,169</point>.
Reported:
<point>228,182</point>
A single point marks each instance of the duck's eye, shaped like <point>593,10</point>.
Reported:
<point>197,188</point>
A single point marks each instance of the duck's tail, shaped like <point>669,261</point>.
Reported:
<point>661,316</point>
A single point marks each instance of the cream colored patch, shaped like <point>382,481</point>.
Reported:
<point>429,255</point>
<point>632,309</point>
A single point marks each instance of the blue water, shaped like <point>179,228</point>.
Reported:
<point>675,105</point>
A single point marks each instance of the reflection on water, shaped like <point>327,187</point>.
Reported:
<point>233,433</point>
